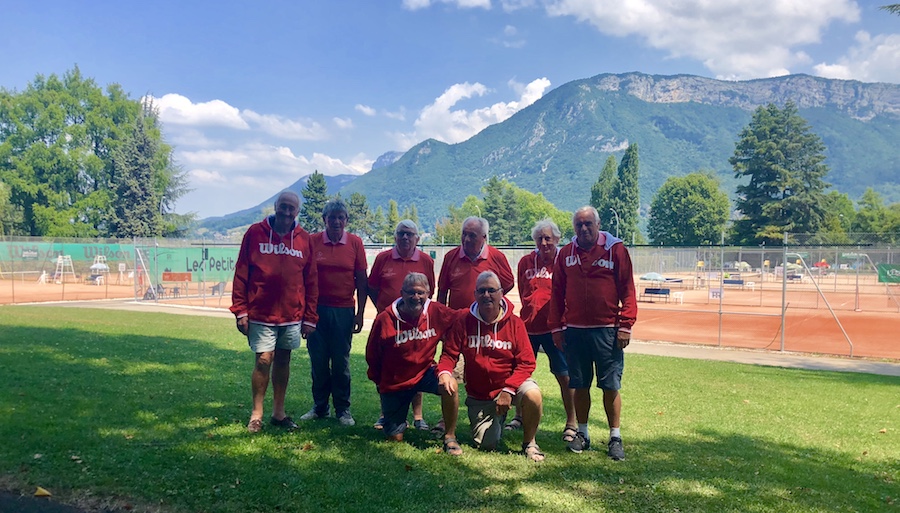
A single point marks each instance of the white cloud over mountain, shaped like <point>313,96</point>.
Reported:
<point>872,59</point>
<point>441,121</point>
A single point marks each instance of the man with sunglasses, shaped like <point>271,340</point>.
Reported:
<point>499,364</point>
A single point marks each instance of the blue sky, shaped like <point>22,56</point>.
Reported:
<point>254,95</point>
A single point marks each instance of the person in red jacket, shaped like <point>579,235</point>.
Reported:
<point>499,364</point>
<point>535,276</point>
<point>274,298</point>
<point>592,310</point>
<point>341,262</point>
<point>464,263</point>
<point>401,349</point>
<point>385,281</point>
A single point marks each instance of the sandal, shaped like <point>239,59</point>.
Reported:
<point>514,424</point>
<point>533,452</point>
<point>569,434</point>
<point>452,447</point>
<point>438,429</point>
<point>255,425</point>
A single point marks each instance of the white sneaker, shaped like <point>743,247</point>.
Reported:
<point>313,414</point>
<point>346,419</point>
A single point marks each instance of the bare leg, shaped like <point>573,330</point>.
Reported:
<point>450,411</point>
<point>417,406</point>
<point>582,402</point>
<point>259,382</point>
<point>281,373</point>
<point>568,399</point>
<point>532,409</point>
<point>612,403</point>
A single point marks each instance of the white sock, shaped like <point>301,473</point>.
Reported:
<point>614,433</point>
<point>582,428</point>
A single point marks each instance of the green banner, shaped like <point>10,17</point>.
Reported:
<point>888,273</point>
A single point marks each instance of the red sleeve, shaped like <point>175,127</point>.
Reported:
<point>525,362</point>
<point>556,320</point>
<point>361,263</point>
<point>504,272</point>
<point>452,344</point>
<point>311,284</point>
<point>429,273</point>
<point>373,350</point>
<point>241,276</point>
<point>523,284</point>
<point>625,288</point>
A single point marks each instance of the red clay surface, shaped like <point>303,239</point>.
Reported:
<point>748,318</point>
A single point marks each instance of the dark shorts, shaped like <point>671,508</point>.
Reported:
<point>395,405</point>
<point>558,364</point>
<point>590,349</point>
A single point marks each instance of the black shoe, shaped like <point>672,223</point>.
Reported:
<point>286,422</point>
<point>579,444</point>
<point>615,449</point>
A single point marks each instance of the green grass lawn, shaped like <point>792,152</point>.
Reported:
<point>151,409</point>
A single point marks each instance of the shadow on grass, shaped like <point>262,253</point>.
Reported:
<point>116,410</point>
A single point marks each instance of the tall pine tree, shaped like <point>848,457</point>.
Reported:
<point>602,194</point>
<point>626,196</point>
<point>315,195</point>
<point>781,162</point>
<point>136,209</point>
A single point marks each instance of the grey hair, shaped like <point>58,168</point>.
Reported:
<point>335,205</point>
<point>408,224</point>
<point>287,192</point>
<point>482,222</point>
<point>485,275</point>
<point>545,223</point>
<point>413,279</point>
<point>591,210</point>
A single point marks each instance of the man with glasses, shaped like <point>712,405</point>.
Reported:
<point>464,263</point>
<point>592,309</point>
<point>499,364</point>
<point>386,278</point>
<point>400,353</point>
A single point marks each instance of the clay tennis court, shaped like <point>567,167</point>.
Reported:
<point>748,319</point>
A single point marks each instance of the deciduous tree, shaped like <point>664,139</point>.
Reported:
<point>688,210</point>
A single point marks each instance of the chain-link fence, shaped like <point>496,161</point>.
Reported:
<point>752,294</point>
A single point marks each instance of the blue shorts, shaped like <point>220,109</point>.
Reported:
<point>589,349</point>
<point>265,339</point>
<point>558,364</point>
<point>395,405</point>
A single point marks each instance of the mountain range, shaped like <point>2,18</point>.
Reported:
<point>683,123</point>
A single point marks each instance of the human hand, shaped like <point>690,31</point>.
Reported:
<point>358,322</point>
<point>623,338</point>
<point>559,340</point>
<point>447,384</point>
<point>503,401</point>
<point>243,325</point>
<point>306,330</point>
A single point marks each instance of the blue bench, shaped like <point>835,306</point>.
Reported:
<point>650,292</point>
<point>739,283</point>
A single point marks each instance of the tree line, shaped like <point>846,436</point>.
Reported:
<point>78,161</point>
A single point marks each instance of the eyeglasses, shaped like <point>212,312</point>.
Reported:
<point>489,290</point>
<point>415,292</point>
<point>401,235</point>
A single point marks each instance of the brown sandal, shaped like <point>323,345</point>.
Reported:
<point>569,434</point>
<point>452,447</point>
<point>533,452</point>
<point>255,425</point>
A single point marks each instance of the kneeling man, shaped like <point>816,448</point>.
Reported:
<point>401,349</point>
<point>499,364</point>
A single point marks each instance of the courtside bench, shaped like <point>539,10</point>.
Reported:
<point>734,282</point>
<point>654,292</point>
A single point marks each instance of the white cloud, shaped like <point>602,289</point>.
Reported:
<point>284,128</point>
<point>204,177</point>
<point>515,5</point>
<point>190,137</point>
<point>343,123</point>
<point>400,115</point>
<point>266,160</point>
<point>440,121</point>
<point>414,5</point>
<point>872,59</point>
<point>733,38</point>
<point>179,110</point>
<point>365,109</point>
<point>509,31</point>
